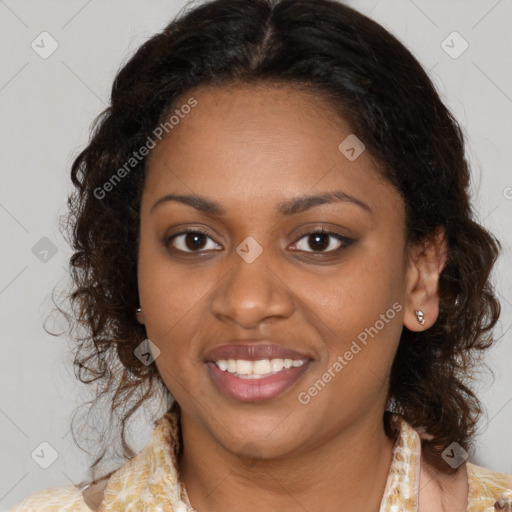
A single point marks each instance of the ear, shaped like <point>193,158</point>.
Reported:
<point>426,262</point>
<point>140,317</point>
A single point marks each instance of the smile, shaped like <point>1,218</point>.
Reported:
<point>245,369</point>
<point>256,381</point>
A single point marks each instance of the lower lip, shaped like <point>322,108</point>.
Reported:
<point>256,390</point>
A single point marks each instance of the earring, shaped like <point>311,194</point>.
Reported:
<point>420,316</point>
<point>139,310</point>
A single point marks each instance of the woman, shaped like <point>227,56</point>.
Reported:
<point>272,223</point>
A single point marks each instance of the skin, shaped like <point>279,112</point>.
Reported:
<point>250,148</point>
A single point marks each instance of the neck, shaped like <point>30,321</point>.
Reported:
<point>347,472</point>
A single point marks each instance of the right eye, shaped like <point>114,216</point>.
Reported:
<point>188,241</point>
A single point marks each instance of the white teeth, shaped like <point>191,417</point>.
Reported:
<point>223,365</point>
<point>243,367</point>
<point>277,365</point>
<point>261,367</point>
<point>256,369</point>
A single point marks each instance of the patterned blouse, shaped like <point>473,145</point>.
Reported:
<point>150,482</point>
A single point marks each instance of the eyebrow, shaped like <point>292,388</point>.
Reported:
<point>286,208</point>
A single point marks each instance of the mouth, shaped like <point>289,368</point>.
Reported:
<point>255,372</point>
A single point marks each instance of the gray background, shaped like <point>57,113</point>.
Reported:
<point>47,106</point>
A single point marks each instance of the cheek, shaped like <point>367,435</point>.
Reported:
<point>168,291</point>
<point>354,295</point>
<point>360,323</point>
<point>359,311</point>
<point>176,303</point>
<point>173,309</point>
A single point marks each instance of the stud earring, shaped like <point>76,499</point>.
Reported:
<point>139,310</point>
<point>420,316</point>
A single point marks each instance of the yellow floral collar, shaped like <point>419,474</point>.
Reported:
<point>150,481</point>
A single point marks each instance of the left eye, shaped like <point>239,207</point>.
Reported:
<point>317,239</point>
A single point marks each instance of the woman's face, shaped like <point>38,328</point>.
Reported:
<point>254,167</point>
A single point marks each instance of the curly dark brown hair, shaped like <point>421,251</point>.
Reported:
<point>373,82</point>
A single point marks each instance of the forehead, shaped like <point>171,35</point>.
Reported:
<point>259,142</point>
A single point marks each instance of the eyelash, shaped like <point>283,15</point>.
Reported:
<point>345,241</point>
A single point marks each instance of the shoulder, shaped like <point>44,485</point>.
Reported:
<point>486,487</point>
<point>62,499</point>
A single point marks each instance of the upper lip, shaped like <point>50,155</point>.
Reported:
<point>252,351</point>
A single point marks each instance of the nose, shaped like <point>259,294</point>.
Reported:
<point>251,293</point>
